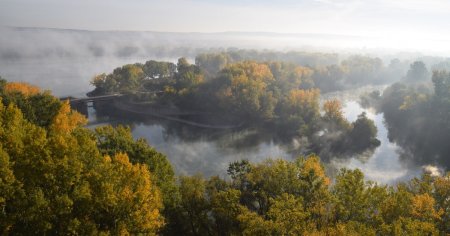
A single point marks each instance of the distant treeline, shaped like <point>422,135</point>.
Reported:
<point>59,178</point>
<point>327,72</point>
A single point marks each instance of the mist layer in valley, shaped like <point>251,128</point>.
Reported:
<point>65,61</point>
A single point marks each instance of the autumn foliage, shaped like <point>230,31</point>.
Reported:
<point>21,87</point>
<point>58,177</point>
<point>54,180</point>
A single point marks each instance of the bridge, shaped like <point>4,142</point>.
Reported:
<point>163,112</point>
<point>93,99</point>
<point>82,104</point>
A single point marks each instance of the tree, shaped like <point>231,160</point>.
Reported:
<point>120,140</point>
<point>441,81</point>
<point>315,190</point>
<point>286,216</point>
<point>299,112</point>
<point>243,88</point>
<point>132,204</point>
<point>350,194</point>
<point>53,180</point>
<point>396,205</point>
<point>225,209</point>
<point>417,72</point>
<point>212,63</point>
<point>9,189</point>
<point>423,208</point>
<point>159,70</point>
<point>23,88</point>
<point>441,193</point>
<point>334,115</point>
<point>363,134</point>
<point>37,107</point>
<point>194,206</point>
<point>128,77</point>
<point>125,79</point>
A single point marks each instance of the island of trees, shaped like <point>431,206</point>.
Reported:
<point>280,97</point>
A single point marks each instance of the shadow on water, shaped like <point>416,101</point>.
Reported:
<point>194,150</point>
<point>383,164</point>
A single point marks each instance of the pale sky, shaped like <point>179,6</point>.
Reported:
<point>424,19</point>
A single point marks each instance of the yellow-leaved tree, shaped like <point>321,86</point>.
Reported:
<point>21,87</point>
<point>55,181</point>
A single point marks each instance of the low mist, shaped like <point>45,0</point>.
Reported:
<point>65,61</point>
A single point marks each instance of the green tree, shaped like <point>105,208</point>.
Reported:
<point>159,70</point>
<point>299,112</point>
<point>350,194</point>
<point>225,209</point>
<point>363,134</point>
<point>63,185</point>
<point>334,115</point>
<point>194,207</point>
<point>120,140</point>
<point>243,88</point>
<point>212,63</point>
<point>417,72</point>
<point>286,216</point>
<point>441,193</point>
<point>37,107</point>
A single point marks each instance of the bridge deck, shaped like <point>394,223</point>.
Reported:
<point>97,98</point>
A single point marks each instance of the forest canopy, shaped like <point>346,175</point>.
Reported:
<point>279,96</point>
<point>58,177</point>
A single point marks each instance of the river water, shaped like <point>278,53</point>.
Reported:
<point>194,151</point>
<point>384,164</point>
<point>208,152</point>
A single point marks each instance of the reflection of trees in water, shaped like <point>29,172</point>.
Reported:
<point>249,139</point>
<point>245,138</point>
<point>418,119</point>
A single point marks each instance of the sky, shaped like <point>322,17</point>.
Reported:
<point>405,21</point>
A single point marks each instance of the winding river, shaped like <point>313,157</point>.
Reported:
<point>200,151</point>
<point>192,150</point>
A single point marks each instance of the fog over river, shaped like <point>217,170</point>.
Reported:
<point>192,150</point>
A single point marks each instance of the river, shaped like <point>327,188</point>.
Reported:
<point>208,152</point>
<point>196,150</point>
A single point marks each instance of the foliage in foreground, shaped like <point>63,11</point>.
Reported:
<point>57,177</point>
<point>54,179</point>
<point>279,197</point>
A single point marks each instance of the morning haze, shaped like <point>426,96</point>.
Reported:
<point>195,117</point>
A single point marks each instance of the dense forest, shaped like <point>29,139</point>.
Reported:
<point>58,177</point>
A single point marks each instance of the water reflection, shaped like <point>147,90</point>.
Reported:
<point>209,157</point>
<point>383,165</point>
<point>193,150</point>
<point>197,150</point>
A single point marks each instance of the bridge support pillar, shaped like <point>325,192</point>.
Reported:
<point>81,107</point>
